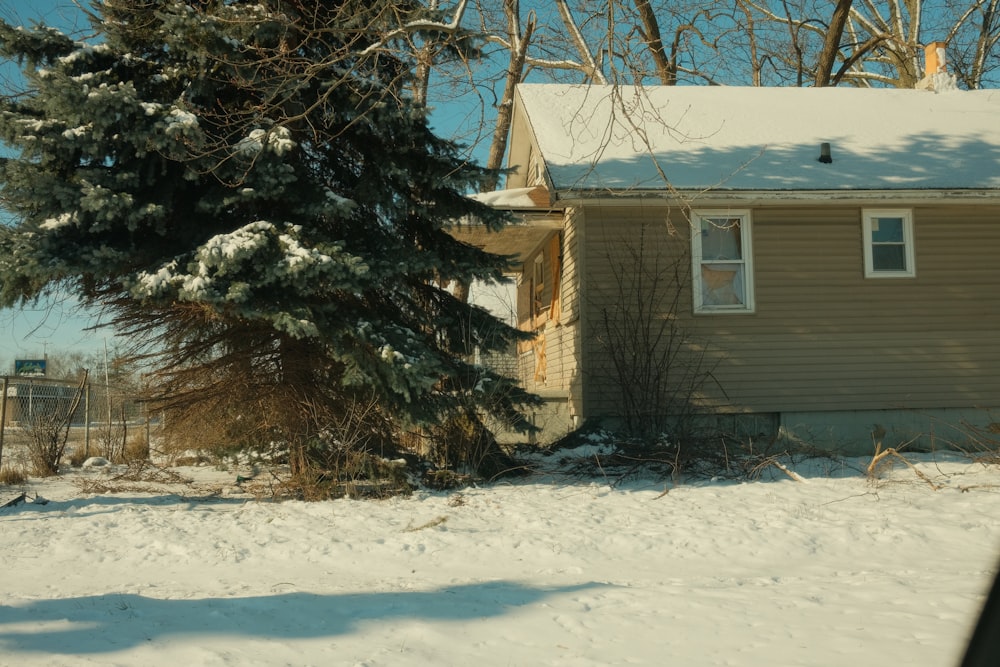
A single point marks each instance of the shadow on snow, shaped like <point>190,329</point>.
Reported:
<point>115,622</point>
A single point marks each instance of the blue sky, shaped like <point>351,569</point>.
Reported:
<point>59,13</point>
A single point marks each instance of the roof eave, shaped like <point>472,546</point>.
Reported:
<point>575,197</point>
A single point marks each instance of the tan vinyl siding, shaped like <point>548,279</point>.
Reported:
<point>570,323</point>
<point>824,337</point>
<point>613,235</point>
<point>571,267</point>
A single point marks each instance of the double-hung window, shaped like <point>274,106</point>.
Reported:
<point>888,237</point>
<point>722,267</point>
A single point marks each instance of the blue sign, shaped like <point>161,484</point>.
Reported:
<point>29,367</point>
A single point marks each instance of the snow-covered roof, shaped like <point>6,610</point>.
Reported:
<point>598,138</point>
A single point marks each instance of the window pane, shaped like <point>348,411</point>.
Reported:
<point>887,230</point>
<point>722,285</point>
<point>888,258</point>
<point>720,239</point>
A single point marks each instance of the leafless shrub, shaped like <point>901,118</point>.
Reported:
<point>979,443</point>
<point>48,432</point>
<point>704,454</point>
<point>332,449</point>
<point>654,365</point>
<point>354,455</point>
<point>111,441</point>
<point>445,479</point>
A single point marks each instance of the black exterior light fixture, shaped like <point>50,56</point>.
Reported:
<point>824,153</point>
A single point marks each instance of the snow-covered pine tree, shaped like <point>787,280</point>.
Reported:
<point>248,187</point>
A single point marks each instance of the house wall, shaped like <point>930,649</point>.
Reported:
<point>637,272</point>
<point>571,323</point>
<point>824,339</point>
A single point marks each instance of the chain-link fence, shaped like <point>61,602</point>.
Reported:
<point>95,419</point>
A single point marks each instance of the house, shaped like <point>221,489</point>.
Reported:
<point>820,264</point>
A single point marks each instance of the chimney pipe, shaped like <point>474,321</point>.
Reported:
<point>824,153</point>
<point>934,59</point>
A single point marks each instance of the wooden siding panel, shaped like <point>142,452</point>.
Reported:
<point>824,337</point>
<point>559,337</point>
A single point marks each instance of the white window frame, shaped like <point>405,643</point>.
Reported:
<point>746,261</point>
<point>869,218</point>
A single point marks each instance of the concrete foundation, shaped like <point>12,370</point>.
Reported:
<point>552,419</point>
<point>858,432</point>
<point>850,433</point>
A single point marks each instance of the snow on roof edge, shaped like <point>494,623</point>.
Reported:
<point>529,198</point>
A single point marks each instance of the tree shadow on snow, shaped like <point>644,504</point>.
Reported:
<point>115,622</point>
<point>100,504</point>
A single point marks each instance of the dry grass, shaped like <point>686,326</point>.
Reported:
<point>354,476</point>
<point>136,450</point>
<point>78,456</point>
<point>11,476</point>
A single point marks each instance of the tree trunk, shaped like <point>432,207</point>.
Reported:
<point>666,70</point>
<point>831,44</point>
<point>296,425</point>
<point>515,71</point>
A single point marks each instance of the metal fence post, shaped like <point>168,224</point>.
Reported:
<point>86,422</point>
<point>149,443</point>
<point>3,415</point>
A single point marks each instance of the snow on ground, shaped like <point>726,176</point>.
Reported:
<point>550,570</point>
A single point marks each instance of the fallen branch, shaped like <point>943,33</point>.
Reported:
<point>16,500</point>
<point>430,524</point>
<point>881,455</point>
<point>773,461</point>
<point>791,473</point>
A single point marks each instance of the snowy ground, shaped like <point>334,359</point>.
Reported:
<point>551,570</point>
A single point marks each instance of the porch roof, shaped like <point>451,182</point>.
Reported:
<point>534,220</point>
